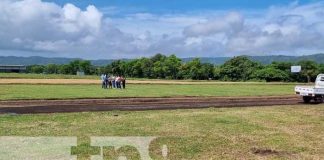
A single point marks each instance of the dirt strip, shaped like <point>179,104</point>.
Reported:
<point>136,104</point>
<point>92,81</point>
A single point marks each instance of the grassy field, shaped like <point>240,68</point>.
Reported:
<point>52,76</point>
<point>43,76</point>
<point>291,132</point>
<point>11,92</point>
<point>95,77</point>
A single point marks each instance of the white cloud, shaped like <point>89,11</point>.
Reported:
<point>42,26</point>
<point>70,31</point>
<point>281,30</point>
<point>74,20</point>
<point>230,24</point>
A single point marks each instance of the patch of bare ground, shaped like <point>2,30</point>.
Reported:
<point>85,105</point>
<point>271,152</point>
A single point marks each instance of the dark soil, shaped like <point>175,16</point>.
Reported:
<point>264,152</point>
<point>131,104</point>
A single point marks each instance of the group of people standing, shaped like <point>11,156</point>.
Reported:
<point>113,81</point>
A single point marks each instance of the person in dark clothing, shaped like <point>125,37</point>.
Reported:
<point>106,82</point>
<point>110,82</point>
<point>123,79</point>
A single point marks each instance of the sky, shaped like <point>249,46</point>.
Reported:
<point>112,29</point>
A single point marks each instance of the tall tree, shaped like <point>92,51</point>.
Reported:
<point>172,65</point>
<point>196,70</point>
<point>146,67</point>
<point>239,68</point>
<point>36,69</point>
<point>159,69</point>
<point>309,69</point>
<point>52,69</point>
<point>64,69</point>
<point>271,74</point>
<point>116,67</point>
<point>158,57</point>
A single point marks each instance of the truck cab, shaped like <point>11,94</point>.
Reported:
<point>319,83</point>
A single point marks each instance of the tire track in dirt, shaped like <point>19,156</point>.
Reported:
<point>137,104</point>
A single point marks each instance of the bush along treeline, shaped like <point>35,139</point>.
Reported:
<point>239,68</point>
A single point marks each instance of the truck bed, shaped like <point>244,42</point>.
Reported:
<point>309,90</point>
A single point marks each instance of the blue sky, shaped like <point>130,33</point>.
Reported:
<point>95,29</point>
<point>158,6</point>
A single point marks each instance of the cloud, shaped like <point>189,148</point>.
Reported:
<point>54,30</point>
<point>47,28</point>
<point>287,30</point>
<point>230,24</point>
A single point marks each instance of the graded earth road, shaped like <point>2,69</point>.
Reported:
<point>137,104</point>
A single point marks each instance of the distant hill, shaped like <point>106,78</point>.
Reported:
<point>12,60</point>
<point>319,58</point>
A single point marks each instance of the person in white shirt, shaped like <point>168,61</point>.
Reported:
<point>113,81</point>
<point>102,80</point>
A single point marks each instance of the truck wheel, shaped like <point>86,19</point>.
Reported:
<point>318,99</point>
<point>307,99</point>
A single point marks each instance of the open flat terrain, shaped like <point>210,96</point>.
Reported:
<point>53,98</point>
<point>131,81</point>
<point>23,91</point>
<point>43,76</point>
<point>277,132</point>
<point>281,132</point>
<point>21,78</point>
<point>136,104</point>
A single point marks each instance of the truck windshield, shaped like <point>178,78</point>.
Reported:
<point>322,78</point>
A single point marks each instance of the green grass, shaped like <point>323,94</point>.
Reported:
<point>63,76</point>
<point>43,76</point>
<point>10,92</point>
<point>56,76</point>
<point>295,132</point>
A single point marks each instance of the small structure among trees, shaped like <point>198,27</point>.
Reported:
<point>80,73</point>
<point>13,68</point>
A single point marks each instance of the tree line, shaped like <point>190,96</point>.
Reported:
<point>239,68</point>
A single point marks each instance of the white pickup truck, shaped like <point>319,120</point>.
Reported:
<point>315,93</point>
